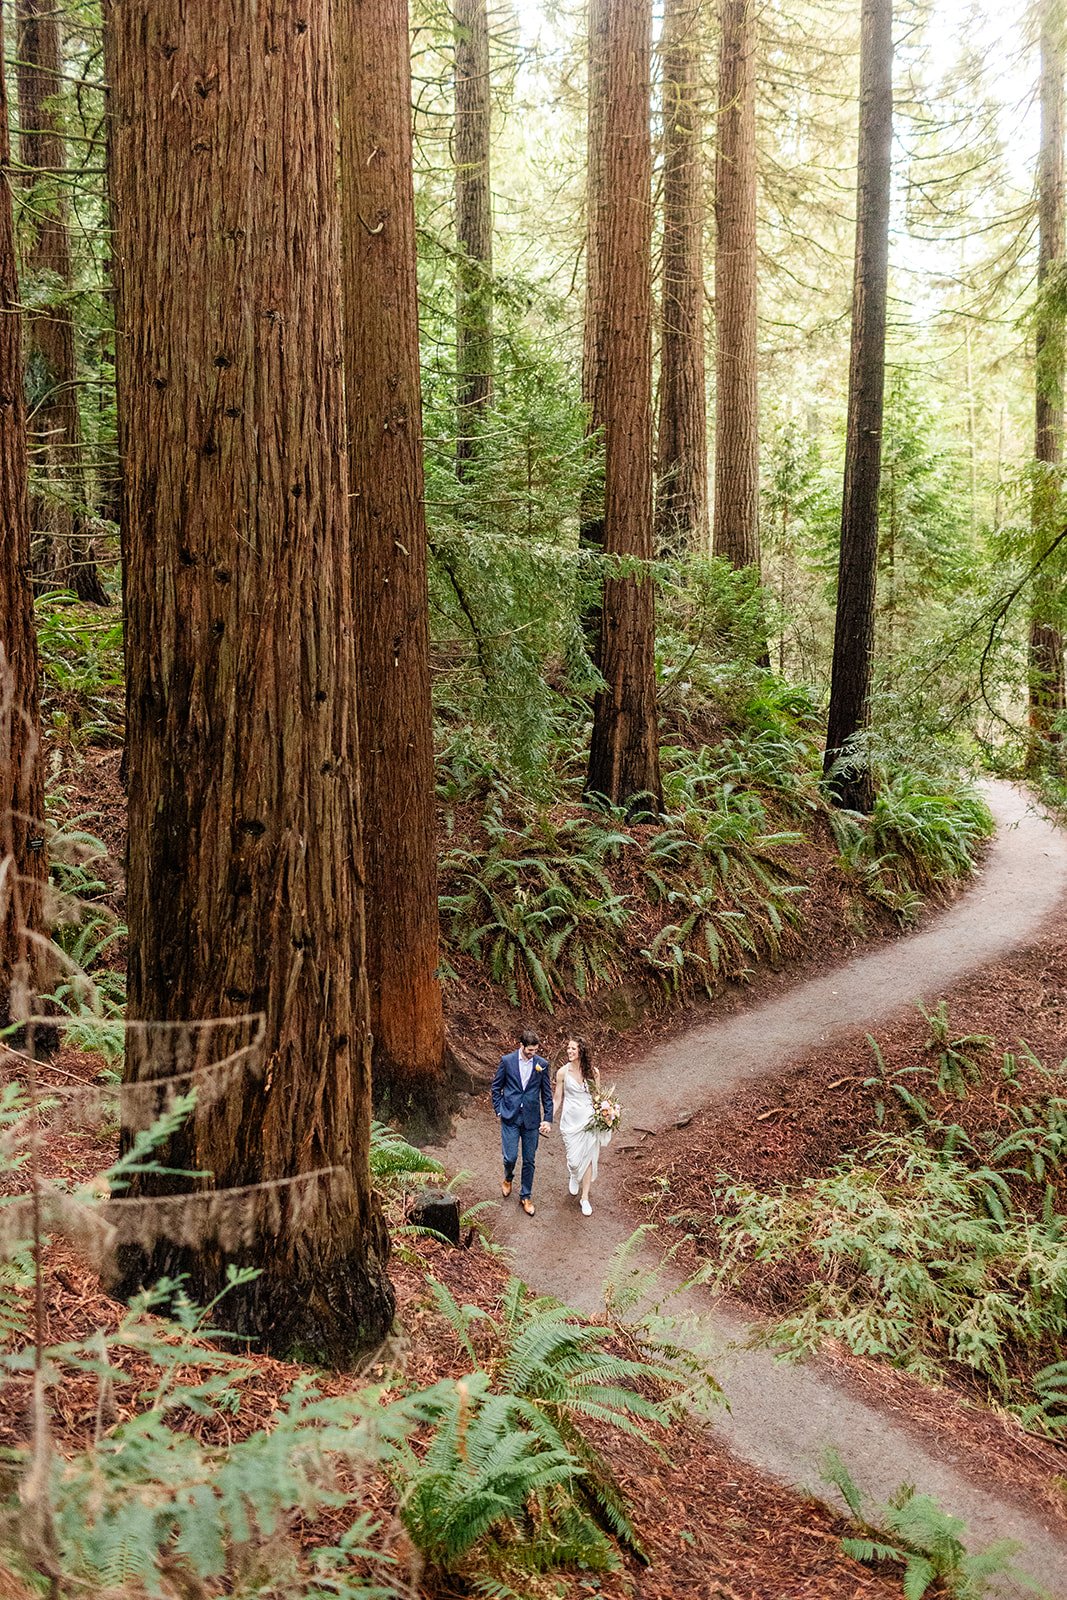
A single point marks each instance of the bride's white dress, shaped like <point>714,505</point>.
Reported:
<point>581,1145</point>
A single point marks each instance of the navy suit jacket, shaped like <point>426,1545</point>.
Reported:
<point>512,1103</point>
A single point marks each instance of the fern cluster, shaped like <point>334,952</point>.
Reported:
<point>493,1474</point>
<point>510,1478</point>
<point>556,903</point>
<point>82,670</point>
<point>920,835</point>
<point>537,906</point>
<point>721,876</point>
<point>933,1248</point>
<point>912,1530</point>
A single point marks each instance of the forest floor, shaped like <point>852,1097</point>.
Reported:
<point>697,1103</point>
<point>694,1106</point>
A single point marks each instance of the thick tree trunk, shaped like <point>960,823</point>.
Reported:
<point>1047,689</point>
<point>65,558</point>
<point>624,751</point>
<point>474,226</point>
<point>591,531</point>
<point>245,864</point>
<point>852,784</point>
<point>736,517</point>
<point>21,782</point>
<point>389,538</point>
<point>682,467</point>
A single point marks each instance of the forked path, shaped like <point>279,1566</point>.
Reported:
<point>783,1416</point>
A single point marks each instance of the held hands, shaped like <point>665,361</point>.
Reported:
<point>546,1127</point>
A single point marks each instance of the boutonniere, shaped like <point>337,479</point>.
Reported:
<point>537,1068</point>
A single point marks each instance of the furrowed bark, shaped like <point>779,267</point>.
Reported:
<point>245,872</point>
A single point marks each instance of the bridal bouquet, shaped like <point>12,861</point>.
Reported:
<point>607,1113</point>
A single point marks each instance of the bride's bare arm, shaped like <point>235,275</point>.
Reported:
<point>557,1098</point>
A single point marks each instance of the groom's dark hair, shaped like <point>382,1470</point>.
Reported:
<point>529,1036</point>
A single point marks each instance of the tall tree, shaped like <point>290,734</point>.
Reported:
<point>682,465</point>
<point>1047,696</point>
<point>474,224</point>
<point>51,349</point>
<point>736,516</point>
<point>245,863</point>
<point>21,783</point>
<point>846,763</point>
<point>592,375</point>
<point>389,538</point>
<point>624,750</point>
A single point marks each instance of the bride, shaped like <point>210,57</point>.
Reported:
<point>575,1082</point>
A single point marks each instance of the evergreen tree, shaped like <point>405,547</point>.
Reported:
<point>244,882</point>
<point>846,763</point>
<point>682,442</point>
<point>1047,688</point>
<point>624,751</point>
<point>736,512</point>
<point>65,557</point>
<point>592,519</point>
<point>474,224</point>
<point>21,771</point>
<point>389,539</point>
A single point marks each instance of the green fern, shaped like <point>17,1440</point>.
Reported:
<point>928,1543</point>
<point>956,1063</point>
<point>934,1248</point>
<point>393,1162</point>
<point>563,1370</point>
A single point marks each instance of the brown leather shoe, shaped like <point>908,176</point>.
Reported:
<point>527,1206</point>
<point>505,1187</point>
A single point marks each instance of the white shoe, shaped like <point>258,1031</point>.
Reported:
<point>587,1210</point>
<point>573,1186</point>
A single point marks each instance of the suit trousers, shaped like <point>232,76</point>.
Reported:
<point>510,1135</point>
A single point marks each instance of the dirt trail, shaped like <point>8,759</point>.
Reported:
<point>783,1416</point>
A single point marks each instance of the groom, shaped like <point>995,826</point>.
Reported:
<point>522,1099</point>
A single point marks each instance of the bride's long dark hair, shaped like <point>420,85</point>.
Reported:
<point>585,1060</point>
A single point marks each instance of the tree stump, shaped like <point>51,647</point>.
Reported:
<point>435,1211</point>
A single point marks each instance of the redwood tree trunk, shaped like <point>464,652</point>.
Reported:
<point>592,510</point>
<point>21,783</point>
<point>389,538</point>
<point>1047,700</point>
<point>736,517</point>
<point>245,863</point>
<point>682,468</point>
<point>51,357</point>
<point>624,752</point>
<point>852,784</point>
<point>474,225</point>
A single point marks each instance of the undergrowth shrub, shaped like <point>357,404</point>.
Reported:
<point>493,1475</point>
<point>920,836</point>
<point>937,1249</point>
<point>511,1452</point>
<point>80,649</point>
<point>538,907</point>
<point>90,986</point>
<point>720,874</point>
<point>912,1530</point>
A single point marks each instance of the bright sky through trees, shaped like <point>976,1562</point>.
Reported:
<point>971,37</point>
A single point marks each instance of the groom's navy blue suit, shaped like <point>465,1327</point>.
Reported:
<point>521,1112</point>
